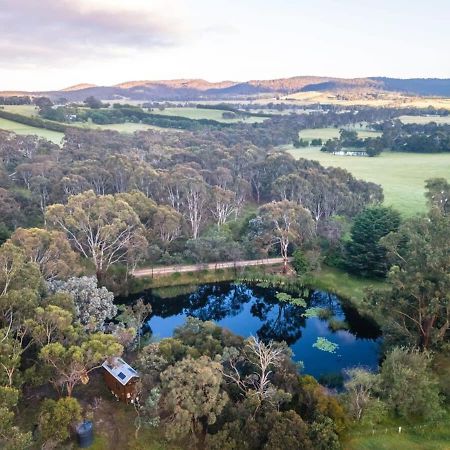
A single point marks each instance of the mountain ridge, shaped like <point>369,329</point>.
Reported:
<point>198,89</point>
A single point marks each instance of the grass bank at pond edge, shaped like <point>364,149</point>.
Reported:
<point>343,284</point>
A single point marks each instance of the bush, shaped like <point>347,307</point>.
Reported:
<point>300,262</point>
<point>56,418</point>
<point>408,385</point>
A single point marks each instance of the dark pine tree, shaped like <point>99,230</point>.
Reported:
<point>364,254</point>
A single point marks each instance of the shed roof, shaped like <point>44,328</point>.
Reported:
<point>120,370</point>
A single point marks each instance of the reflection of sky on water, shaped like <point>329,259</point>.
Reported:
<point>255,311</point>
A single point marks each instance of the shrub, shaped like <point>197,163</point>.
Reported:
<point>56,418</point>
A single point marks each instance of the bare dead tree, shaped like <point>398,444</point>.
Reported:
<point>263,358</point>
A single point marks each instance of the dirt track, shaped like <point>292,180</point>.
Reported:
<point>167,270</point>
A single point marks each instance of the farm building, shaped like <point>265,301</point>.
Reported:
<point>351,153</point>
<point>121,379</point>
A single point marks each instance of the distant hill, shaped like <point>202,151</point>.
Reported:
<point>197,89</point>
<point>78,87</point>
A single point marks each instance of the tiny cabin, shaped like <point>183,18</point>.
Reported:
<point>121,379</point>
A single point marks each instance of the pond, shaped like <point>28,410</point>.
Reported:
<point>251,310</point>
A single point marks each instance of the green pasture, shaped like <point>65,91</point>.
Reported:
<point>24,110</point>
<point>421,120</point>
<point>402,175</point>
<point>200,113</point>
<point>423,436</point>
<point>19,128</point>
<point>330,133</point>
<point>127,127</point>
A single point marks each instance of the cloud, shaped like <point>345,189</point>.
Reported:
<point>36,32</point>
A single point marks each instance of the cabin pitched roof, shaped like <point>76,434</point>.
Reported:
<point>120,370</point>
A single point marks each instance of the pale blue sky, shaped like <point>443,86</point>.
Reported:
<point>56,43</point>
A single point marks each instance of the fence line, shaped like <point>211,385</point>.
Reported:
<point>428,426</point>
<point>152,271</point>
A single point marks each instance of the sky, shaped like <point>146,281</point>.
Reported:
<point>52,44</point>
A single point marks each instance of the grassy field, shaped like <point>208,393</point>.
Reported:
<point>437,438</point>
<point>19,128</point>
<point>402,175</point>
<point>425,119</point>
<point>25,110</point>
<point>383,100</point>
<point>330,133</point>
<point>200,113</point>
<point>127,127</point>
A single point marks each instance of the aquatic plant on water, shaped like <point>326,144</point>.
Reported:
<point>325,345</point>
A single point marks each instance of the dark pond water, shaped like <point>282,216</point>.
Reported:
<point>251,310</point>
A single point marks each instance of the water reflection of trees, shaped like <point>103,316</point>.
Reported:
<point>326,300</point>
<point>281,321</point>
<point>217,302</point>
<point>361,327</point>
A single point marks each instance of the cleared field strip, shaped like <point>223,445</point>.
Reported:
<point>331,133</point>
<point>22,129</point>
<point>204,113</point>
<point>421,120</point>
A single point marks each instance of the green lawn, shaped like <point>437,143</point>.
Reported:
<point>425,119</point>
<point>200,113</point>
<point>330,133</point>
<point>19,128</point>
<point>402,175</point>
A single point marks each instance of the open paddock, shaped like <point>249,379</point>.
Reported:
<point>19,128</point>
<point>204,113</point>
<point>402,175</point>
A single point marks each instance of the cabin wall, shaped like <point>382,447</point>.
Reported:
<point>123,393</point>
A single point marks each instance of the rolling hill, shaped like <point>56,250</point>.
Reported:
<point>197,89</point>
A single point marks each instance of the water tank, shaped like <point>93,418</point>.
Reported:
<point>85,434</point>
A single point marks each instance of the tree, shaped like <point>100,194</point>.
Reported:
<point>13,344</point>
<point>102,228</point>
<point>43,102</point>
<point>167,224</point>
<point>93,103</point>
<point>71,365</point>
<point>135,316</point>
<point>264,358</point>
<point>93,305</point>
<point>50,250</point>
<point>11,437</point>
<point>288,432</point>
<point>223,204</point>
<point>360,387</point>
<point>408,385</point>
<point>12,261</point>
<point>286,223</point>
<point>56,418</point>
<point>418,304</point>
<point>49,324</point>
<point>323,435</point>
<point>300,262</point>
<point>10,209</point>
<point>192,396</point>
<point>438,194</point>
<point>366,256</point>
